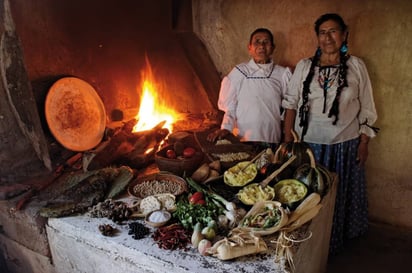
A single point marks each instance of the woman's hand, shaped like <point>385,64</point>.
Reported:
<point>218,134</point>
<point>363,150</point>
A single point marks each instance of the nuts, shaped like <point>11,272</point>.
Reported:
<point>107,230</point>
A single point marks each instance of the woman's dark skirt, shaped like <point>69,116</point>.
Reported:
<point>350,219</point>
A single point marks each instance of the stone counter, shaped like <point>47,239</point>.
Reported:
<point>23,239</point>
<point>77,246</point>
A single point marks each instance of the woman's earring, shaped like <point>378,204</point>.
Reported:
<point>344,48</point>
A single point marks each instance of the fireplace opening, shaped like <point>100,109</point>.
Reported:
<point>131,52</point>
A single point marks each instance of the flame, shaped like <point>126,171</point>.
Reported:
<point>151,111</point>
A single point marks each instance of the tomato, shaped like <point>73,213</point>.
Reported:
<point>196,197</point>
<point>171,154</point>
<point>189,152</point>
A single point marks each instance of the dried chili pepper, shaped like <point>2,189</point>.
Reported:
<point>172,237</point>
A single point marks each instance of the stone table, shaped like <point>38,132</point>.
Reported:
<point>77,246</point>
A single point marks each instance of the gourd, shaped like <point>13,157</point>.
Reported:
<point>313,175</point>
<point>297,147</point>
<point>197,235</point>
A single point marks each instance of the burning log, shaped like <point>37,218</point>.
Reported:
<point>125,147</point>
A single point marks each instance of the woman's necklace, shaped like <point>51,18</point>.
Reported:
<point>327,77</point>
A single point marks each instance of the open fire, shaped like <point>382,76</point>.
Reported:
<point>153,110</point>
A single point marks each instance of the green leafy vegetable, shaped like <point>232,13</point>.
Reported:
<point>190,214</point>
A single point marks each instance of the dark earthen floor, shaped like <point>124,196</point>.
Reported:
<point>382,250</point>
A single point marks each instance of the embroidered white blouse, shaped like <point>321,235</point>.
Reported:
<point>251,96</point>
<point>356,104</point>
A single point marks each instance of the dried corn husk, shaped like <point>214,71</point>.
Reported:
<point>308,203</point>
<point>120,182</point>
<point>304,218</point>
<point>291,234</point>
<point>240,243</point>
<point>286,244</point>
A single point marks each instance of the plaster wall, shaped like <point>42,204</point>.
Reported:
<point>379,33</point>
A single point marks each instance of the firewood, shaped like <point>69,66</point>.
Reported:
<point>128,147</point>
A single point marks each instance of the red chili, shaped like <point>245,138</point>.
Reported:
<point>171,237</point>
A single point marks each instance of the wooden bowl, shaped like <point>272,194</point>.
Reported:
<point>178,165</point>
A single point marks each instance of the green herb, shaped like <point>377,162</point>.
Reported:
<point>190,214</point>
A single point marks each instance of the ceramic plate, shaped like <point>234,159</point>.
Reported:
<point>75,114</point>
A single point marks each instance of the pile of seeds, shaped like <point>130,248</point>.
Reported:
<point>138,230</point>
<point>231,157</point>
<point>152,187</point>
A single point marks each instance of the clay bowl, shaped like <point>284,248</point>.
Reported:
<point>179,165</point>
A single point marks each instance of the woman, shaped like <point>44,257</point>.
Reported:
<point>251,94</point>
<point>330,104</point>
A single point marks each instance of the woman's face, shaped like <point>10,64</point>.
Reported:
<point>330,37</point>
<point>261,48</point>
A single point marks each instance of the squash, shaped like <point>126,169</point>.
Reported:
<point>241,174</point>
<point>290,192</point>
<point>254,192</point>
<point>327,178</point>
<point>312,175</point>
<point>298,148</point>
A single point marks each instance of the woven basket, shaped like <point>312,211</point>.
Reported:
<point>178,166</point>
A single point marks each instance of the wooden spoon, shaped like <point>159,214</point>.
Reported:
<point>266,181</point>
<point>252,161</point>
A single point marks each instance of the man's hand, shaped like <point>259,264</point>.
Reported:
<point>218,134</point>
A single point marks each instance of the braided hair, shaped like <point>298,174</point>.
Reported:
<point>342,79</point>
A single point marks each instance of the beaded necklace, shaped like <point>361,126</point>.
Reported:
<point>327,77</point>
<point>341,83</point>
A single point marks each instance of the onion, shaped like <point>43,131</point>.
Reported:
<point>204,245</point>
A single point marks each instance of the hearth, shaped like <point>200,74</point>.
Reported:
<point>114,46</point>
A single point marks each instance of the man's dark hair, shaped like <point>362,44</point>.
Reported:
<point>264,30</point>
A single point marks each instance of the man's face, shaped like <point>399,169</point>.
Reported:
<point>261,47</point>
